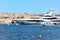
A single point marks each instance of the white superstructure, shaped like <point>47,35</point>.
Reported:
<point>50,19</point>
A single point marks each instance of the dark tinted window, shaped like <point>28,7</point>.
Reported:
<point>56,21</point>
<point>50,18</point>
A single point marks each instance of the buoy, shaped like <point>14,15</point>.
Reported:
<point>40,36</point>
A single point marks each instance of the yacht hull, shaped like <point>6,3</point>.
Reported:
<point>24,22</point>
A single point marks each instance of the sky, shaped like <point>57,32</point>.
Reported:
<point>29,6</point>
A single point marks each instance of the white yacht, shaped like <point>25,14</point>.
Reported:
<point>47,19</point>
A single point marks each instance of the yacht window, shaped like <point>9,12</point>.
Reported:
<point>56,21</point>
<point>41,21</point>
<point>50,18</point>
<point>35,20</point>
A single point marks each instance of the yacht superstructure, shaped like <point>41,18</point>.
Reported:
<point>51,17</point>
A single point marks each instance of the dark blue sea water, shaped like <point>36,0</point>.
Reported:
<point>29,32</point>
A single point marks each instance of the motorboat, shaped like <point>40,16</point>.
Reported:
<point>48,19</point>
